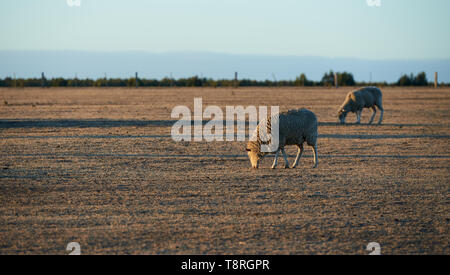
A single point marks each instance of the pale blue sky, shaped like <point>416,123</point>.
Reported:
<point>398,29</point>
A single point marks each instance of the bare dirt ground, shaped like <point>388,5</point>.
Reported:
<point>98,166</point>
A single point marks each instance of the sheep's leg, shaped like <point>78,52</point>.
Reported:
<point>381,115</point>
<point>286,162</point>
<point>276,159</point>
<point>316,159</point>
<point>358,116</point>
<point>299,154</point>
<point>373,114</point>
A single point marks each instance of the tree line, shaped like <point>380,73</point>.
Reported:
<point>343,79</point>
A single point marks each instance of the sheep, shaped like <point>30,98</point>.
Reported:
<point>367,97</point>
<point>295,127</point>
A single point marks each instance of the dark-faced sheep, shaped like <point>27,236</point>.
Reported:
<point>356,101</point>
<point>295,128</point>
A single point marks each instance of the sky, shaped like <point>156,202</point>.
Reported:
<point>396,29</point>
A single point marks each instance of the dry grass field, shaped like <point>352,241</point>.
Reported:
<point>98,166</point>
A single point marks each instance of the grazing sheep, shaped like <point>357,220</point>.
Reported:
<point>367,97</point>
<point>295,127</point>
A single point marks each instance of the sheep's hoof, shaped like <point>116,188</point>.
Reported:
<point>286,167</point>
<point>293,166</point>
<point>273,167</point>
<point>315,166</point>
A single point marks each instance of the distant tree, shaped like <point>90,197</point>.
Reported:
<point>170,82</point>
<point>131,82</point>
<point>245,82</point>
<point>20,82</point>
<point>99,83</point>
<point>420,80</point>
<point>345,79</point>
<point>58,82</point>
<point>302,81</point>
<point>328,79</point>
<point>194,81</point>
<point>149,82</point>
<point>117,82</point>
<point>405,80</point>
<point>31,82</point>
<point>212,83</point>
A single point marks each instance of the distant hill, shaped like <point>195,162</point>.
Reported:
<point>214,65</point>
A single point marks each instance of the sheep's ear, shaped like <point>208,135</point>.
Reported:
<point>248,150</point>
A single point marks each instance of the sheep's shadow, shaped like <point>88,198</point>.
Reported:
<point>106,123</point>
<point>383,124</point>
<point>384,136</point>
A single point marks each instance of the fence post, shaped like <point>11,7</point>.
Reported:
<point>335,80</point>
<point>236,83</point>
<point>42,80</point>
<point>15,81</point>
<point>136,79</point>
<point>435,80</point>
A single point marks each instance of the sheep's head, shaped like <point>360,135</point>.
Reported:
<point>342,114</point>
<point>255,156</point>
